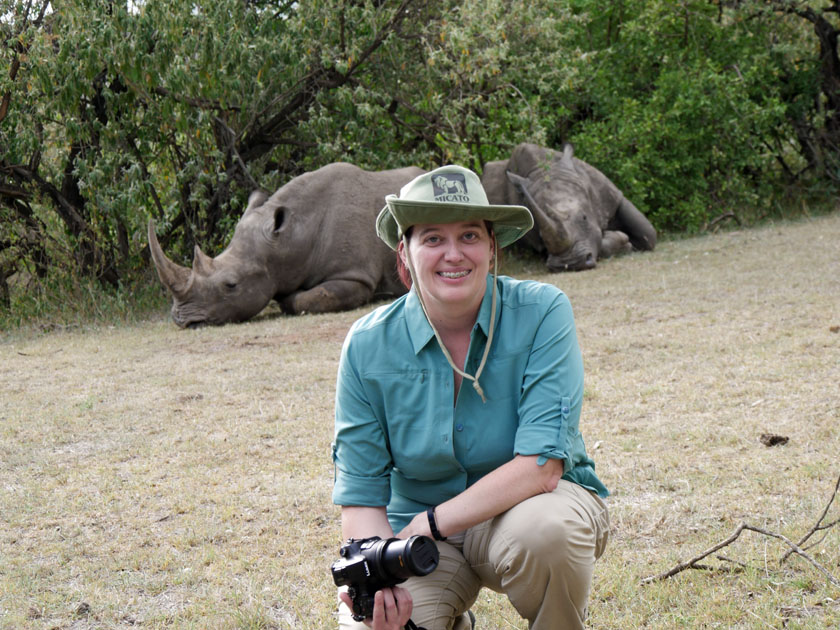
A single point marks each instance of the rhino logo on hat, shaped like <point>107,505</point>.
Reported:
<point>450,187</point>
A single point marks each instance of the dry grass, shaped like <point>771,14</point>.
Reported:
<point>160,478</point>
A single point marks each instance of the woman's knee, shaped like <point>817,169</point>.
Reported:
<point>553,528</point>
<point>552,560</point>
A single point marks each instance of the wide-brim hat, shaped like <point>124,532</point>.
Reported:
<point>449,194</point>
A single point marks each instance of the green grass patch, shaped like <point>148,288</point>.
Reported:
<point>62,300</point>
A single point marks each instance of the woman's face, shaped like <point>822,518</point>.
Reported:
<point>451,262</point>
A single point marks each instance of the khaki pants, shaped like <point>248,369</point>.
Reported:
<point>540,553</point>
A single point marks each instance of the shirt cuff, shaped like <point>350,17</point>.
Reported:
<point>361,491</point>
<point>542,440</point>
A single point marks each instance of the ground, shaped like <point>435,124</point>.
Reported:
<point>163,478</point>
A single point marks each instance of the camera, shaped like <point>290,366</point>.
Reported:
<point>371,564</point>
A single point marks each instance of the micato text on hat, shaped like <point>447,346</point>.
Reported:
<point>451,188</point>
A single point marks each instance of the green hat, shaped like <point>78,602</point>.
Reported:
<point>448,194</point>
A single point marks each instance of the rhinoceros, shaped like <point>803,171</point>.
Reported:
<point>311,246</point>
<point>579,214</point>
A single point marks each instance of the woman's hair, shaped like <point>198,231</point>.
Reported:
<point>402,269</point>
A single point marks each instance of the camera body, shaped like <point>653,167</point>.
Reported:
<point>371,564</point>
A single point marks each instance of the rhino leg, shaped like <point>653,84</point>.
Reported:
<point>333,295</point>
<point>614,243</point>
<point>630,220</point>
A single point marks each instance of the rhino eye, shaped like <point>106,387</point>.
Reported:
<point>230,285</point>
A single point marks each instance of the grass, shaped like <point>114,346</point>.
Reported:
<point>61,301</point>
<point>160,478</point>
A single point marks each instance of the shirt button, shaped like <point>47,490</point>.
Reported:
<point>459,427</point>
<point>565,410</point>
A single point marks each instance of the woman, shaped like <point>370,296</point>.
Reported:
<point>457,410</point>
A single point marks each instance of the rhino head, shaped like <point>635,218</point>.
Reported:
<point>579,213</point>
<point>311,246</point>
<point>232,287</point>
<point>560,198</point>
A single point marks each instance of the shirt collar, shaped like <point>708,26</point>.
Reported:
<point>419,329</point>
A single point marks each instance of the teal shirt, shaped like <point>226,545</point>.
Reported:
<point>399,440</point>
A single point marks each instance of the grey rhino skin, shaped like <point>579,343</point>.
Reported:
<point>579,214</point>
<point>312,246</point>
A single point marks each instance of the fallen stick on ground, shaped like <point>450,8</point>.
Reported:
<point>793,548</point>
<point>817,526</point>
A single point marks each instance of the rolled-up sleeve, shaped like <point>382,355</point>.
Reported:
<point>360,451</point>
<point>552,387</point>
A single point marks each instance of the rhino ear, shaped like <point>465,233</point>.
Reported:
<point>255,200</point>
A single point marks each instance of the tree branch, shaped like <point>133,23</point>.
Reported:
<point>200,103</point>
<point>303,93</point>
<point>392,26</point>
<point>14,193</point>
<point>225,135</point>
<point>66,209</point>
<point>692,564</point>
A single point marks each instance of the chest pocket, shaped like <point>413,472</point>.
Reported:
<point>414,408</point>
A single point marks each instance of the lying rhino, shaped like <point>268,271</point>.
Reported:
<point>579,214</point>
<point>311,246</point>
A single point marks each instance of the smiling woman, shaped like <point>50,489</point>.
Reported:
<point>496,473</point>
<point>451,262</point>
<point>405,275</point>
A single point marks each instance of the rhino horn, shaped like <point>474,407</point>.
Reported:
<point>552,232</point>
<point>173,276</point>
<point>202,263</point>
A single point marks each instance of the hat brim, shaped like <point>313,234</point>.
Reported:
<point>510,223</point>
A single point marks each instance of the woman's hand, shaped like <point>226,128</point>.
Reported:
<point>418,526</point>
<point>391,608</point>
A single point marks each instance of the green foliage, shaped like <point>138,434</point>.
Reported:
<point>446,92</point>
<point>65,300</point>
<point>682,106</point>
<point>115,112</point>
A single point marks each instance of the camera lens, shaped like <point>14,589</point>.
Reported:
<point>404,558</point>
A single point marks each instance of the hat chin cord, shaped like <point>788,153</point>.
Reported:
<point>474,379</point>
